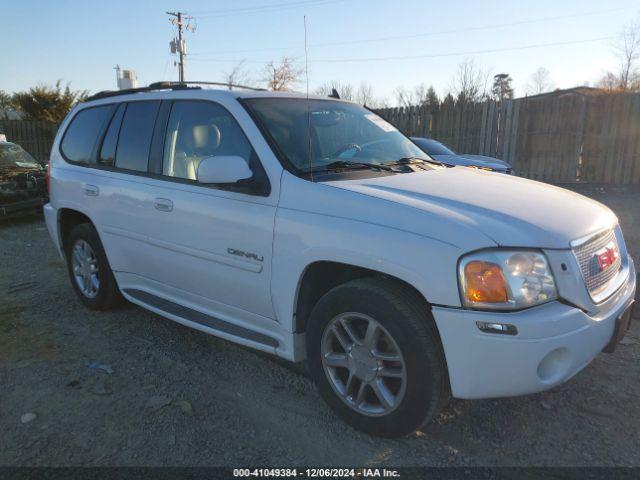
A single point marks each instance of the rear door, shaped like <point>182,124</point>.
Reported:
<point>121,200</point>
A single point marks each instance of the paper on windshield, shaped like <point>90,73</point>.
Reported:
<point>380,123</point>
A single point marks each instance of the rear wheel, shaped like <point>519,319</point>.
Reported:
<point>89,271</point>
<point>375,356</point>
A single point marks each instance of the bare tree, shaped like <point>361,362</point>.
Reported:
<point>282,76</point>
<point>421,95</point>
<point>470,82</point>
<point>237,76</point>
<point>627,47</point>
<point>539,82</point>
<point>609,82</point>
<point>364,95</point>
<point>345,90</point>
<point>403,97</point>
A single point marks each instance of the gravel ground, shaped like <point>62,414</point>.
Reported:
<point>131,388</point>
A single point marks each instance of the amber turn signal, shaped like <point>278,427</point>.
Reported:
<point>484,283</point>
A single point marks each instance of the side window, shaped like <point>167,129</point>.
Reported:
<point>197,130</point>
<point>108,151</point>
<point>82,134</point>
<point>135,135</point>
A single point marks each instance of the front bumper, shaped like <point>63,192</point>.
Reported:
<point>554,342</point>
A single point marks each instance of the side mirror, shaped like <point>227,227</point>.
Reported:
<point>223,169</point>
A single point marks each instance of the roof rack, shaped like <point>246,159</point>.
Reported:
<point>166,86</point>
<point>216,84</point>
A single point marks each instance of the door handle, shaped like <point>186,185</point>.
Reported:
<point>91,190</point>
<point>163,204</point>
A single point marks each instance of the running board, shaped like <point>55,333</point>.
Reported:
<point>200,318</point>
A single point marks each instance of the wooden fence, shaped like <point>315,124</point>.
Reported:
<point>554,138</point>
<point>35,136</point>
<point>565,137</point>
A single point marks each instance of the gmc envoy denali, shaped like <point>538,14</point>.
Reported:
<point>312,229</point>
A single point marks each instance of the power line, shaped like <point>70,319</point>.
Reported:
<point>423,34</point>
<point>432,55</point>
<point>264,8</point>
<point>472,52</point>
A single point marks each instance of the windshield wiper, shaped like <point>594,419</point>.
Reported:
<point>346,165</point>
<point>409,160</point>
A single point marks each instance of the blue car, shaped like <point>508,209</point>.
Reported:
<point>443,154</point>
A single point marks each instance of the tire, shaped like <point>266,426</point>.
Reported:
<point>103,293</point>
<point>420,365</point>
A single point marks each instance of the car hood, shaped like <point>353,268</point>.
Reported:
<point>512,211</point>
<point>478,160</point>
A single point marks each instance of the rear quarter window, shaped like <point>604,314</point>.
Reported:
<point>82,133</point>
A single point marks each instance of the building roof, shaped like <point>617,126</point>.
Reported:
<point>588,91</point>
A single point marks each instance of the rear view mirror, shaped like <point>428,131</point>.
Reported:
<point>223,169</point>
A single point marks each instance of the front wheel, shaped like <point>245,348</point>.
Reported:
<point>375,356</point>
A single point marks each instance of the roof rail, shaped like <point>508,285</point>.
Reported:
<point>167,86</point>
<point>217,84</point>
<point>151,88</point>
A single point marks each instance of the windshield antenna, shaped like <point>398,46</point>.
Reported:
<point>306,74</point>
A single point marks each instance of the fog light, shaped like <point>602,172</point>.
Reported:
<point>555,366</point>
<point>501,328</point>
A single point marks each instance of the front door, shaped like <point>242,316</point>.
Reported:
<point>210,245</point>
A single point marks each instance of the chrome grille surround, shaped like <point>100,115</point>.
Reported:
<point>585,252</point>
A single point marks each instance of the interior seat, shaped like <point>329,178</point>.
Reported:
<point>204,142</point>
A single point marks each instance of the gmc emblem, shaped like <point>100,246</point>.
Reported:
<point>607,256</point>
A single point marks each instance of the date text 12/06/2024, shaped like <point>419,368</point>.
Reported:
<point>363,473</point>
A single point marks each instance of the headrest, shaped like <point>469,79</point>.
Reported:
<point>206,136</point>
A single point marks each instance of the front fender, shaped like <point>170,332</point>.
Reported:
<point>303,238</point>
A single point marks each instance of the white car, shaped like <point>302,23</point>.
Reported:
<point>313,229</point>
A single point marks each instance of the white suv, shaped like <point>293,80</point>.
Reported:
<point>312,229</point>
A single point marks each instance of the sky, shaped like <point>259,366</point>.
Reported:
<point>385,43</point>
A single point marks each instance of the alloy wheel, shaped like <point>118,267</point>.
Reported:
<point>364,364</point>
<point>85,269</point>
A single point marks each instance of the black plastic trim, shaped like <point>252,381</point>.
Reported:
<point>201,318</point>
<point>118,107</point>
<point>156,151</point>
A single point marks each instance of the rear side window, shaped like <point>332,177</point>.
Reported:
<point>82,134</point>
<point>136,131</point>
<point>108,152</point>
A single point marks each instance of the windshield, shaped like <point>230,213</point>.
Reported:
<point>12,154</point>
<point>432,147</point>
<point>339,132</point>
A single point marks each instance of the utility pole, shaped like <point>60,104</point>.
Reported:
<point>179,46</point>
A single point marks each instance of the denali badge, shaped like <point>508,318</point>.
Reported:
<point>240,253</point>
<point>607,256</point>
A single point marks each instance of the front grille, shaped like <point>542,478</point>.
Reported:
<point>587,257</point>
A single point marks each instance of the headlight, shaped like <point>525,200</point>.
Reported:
<point>505,279</point>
